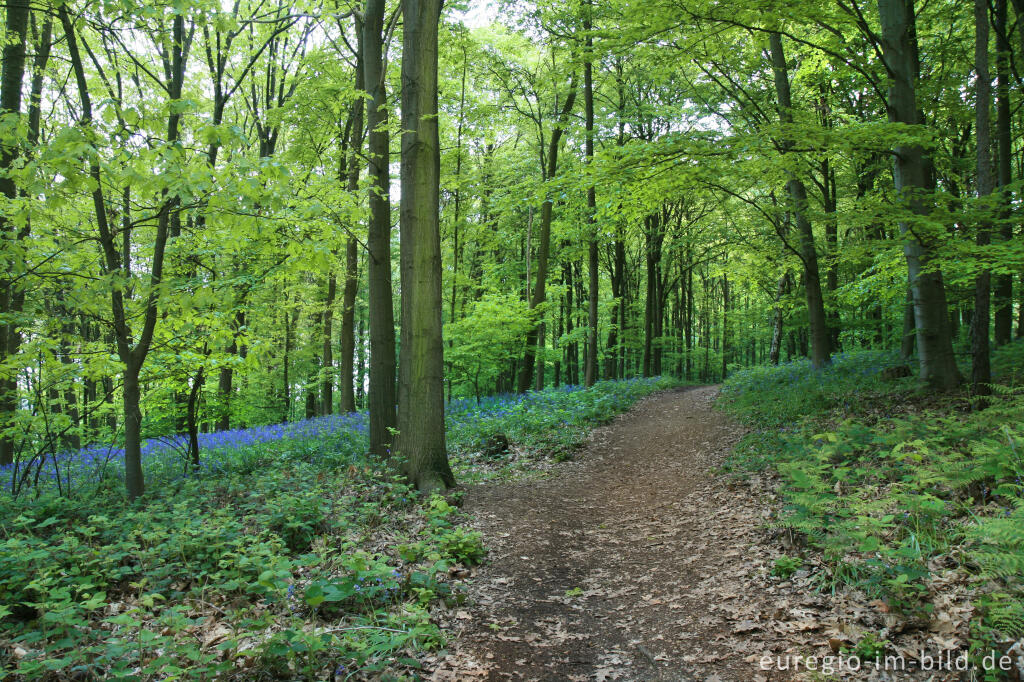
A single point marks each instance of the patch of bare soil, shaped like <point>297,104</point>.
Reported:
<point>636,561</point>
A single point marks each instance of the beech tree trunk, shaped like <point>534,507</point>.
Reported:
<point>821,353</point>
<point>12,296</point>
<point>777,320</point>
<point>383,418</point>
<point>900,55</point>
<point>725,326</point>
<point>544,248</point>
<point>655,237</point>
<point>593,284</point>
<point>346,369</point>
<point>421,394</point>
<point>981,369</point>
<point>327,361</point>
<point>1003,285</point>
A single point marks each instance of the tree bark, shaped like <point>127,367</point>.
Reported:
<point>981,369</point>
<point>655,237</point>
<point>593,284</point>
<point>725,326</point>
<point>1003,289</point>
<point>383,418</point>
<point>225,378</point>
<point>11,294</point>
<point>544,248</point>
<point>421,394</point>
<point>900,54</point>
<point>777,320</point>
<point>346,370</point>
<point>327,361</point>
<point>821,354</point>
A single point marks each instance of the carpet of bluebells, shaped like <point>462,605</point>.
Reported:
<point>775,396</point>
<point>553,420</point>
<point>290,554</point>
<point>164,457</point>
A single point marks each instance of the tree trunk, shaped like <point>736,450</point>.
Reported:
<point>421,395</point>
<point>192,418</point>
<point>900,54</point>
<point>590,373</point>
<point>777,319</point>
<point>312,386</point>
<point>286,381</point>
<point>688,330</point>
<point>541,372</point>
<point>132,356</point>
<point>544,248</point>
<point>611,370</point>
<point>571,349</point>
<point>225,379</point>
<point>1003,290</point>
<point>907,340</point>
<point>382,315</point>
<point>456,246</point>
<point>132,396</point>
<point>821,354</point>
<point>981,369</point>
<point>327,384</point>
<point>11,294</point>
<point>346,370</point>
<point>725,326</point>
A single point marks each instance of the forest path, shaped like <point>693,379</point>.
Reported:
<point>636,561</point>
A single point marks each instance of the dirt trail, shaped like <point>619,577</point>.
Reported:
<point>634,562</point>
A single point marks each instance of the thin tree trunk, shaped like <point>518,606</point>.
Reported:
<point>286,382</point>
<point>327,361</point>
<point>225,378</point>
<point>688,330</point>
<point>346,370</point>
<point>821,353</point>
<point>192,418</point>
<point>361,363</point>
<point>981,370</point>
<point>457,247</point>
<point>544,248</point>
<point>725,326</point>
<point>593,284</point>
<point>611,370</point>
<point>571,349</point>
<point>1003,290</point>
<point>383,418</point>
<point>541,372</point>
<point>777,319</point>
<point>132,356</point>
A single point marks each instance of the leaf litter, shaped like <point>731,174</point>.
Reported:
<point>639,561</point>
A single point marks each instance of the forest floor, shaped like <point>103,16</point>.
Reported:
<point>638,561</point>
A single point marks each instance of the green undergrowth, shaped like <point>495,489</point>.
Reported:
<point>295,572</point>
<point>888,484</point>
<point>505,436</point>
<point>316,565</point>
